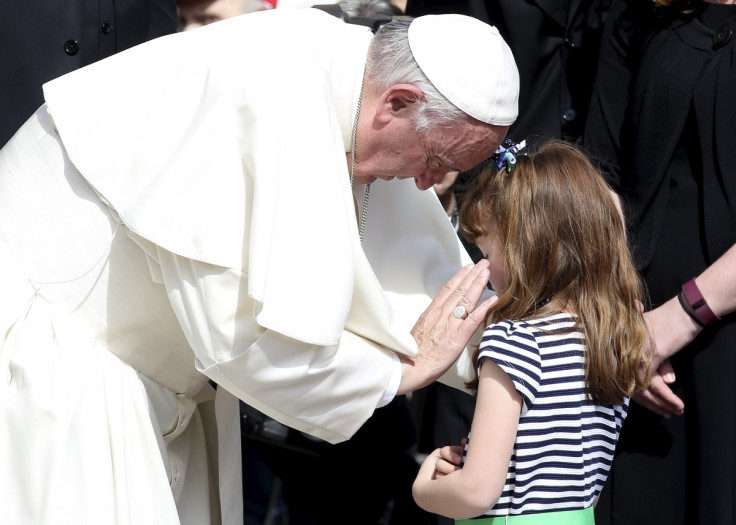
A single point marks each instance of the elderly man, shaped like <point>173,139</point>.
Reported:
<point>196,211</point>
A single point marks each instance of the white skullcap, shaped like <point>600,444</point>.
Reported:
<point>469,63</point>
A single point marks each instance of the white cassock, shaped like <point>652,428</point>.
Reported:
<point>180,212</point>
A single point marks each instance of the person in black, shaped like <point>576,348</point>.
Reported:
<point>42,40</point>
<point>663,122</point>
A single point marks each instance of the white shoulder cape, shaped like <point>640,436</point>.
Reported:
<point>227,145</point>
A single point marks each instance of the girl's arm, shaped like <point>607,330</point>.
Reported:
<point>476,487</point>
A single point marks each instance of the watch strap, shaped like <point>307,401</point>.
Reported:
<point>697,304</point>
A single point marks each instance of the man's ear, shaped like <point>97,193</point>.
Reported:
<point>397,101</point>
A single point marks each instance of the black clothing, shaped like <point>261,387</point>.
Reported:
<point>663,121</point>
<point>41,40</point>
<point>363,481</point>
<point>679,75</point>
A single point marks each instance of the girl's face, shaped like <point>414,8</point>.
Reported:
<point>492,249</point>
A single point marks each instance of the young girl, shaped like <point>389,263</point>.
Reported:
<point>563,351</point>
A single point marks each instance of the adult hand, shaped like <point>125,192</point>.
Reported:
<point>671,330</point>
<point>441,336</point>
<point>658,396</point>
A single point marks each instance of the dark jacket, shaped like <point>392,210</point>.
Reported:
<point>43,39</point>
<point>667,82</point>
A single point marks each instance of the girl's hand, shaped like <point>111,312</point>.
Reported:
<point>450,459</point>
<point>426,470</point>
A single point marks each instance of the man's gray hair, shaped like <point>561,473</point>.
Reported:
<point>391,62</point>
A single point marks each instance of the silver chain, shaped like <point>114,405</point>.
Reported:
<point>364,212</point>
<point>364,209</point>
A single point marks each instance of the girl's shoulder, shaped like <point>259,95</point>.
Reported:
<point>527,336</point>
<point>560,322</point>
<point>557,322</point>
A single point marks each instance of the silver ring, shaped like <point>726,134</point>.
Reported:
<point>460,312</point>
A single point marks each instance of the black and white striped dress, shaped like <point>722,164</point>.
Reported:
<point>564,444</point>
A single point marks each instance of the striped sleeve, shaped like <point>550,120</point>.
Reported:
<point>514,348</point>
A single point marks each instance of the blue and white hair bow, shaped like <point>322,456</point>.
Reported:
<point>506,154</point>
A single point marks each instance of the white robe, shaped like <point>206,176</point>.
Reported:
<point>187,207</point>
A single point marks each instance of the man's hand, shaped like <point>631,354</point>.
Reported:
<point>440,335</point>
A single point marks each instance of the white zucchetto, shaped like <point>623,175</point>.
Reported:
<point>469,63</point>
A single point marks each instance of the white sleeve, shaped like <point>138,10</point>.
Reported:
<point>326,391</point>
<point>393,384</point>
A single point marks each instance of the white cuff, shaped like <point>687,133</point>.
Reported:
<point>393,383</point>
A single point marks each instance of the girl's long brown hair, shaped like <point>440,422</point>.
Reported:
<point>565,240</point>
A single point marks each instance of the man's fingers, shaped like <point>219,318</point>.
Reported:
<point>474,289</point>
<point>463,301</point>
<point>455,281</point>
<point>465,282</point>
<point>476,317</point>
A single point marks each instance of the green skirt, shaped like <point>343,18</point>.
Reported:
<point>565,517</point>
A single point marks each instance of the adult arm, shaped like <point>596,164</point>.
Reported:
<point>327,391</point>
<point>672,329</point>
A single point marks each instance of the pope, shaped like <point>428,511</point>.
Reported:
<point>200,219</point>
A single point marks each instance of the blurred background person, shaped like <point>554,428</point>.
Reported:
<point>198,13</point>
<point>370,8</point>
<point>352,7</point>
<point>44,39</point>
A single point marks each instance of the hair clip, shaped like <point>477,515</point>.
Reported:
<point>506,155</point>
